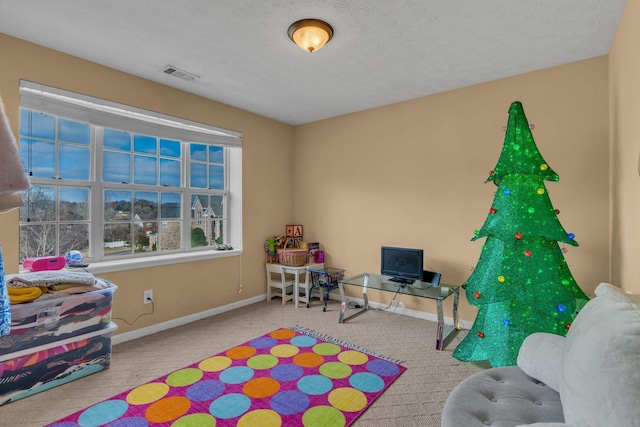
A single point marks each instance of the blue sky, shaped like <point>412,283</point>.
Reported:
<point>127,158</point>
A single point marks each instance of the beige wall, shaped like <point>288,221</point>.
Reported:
<point>179,289</point>
<point>624,70</point>
<point>412,174</point>
<point>409,174</point>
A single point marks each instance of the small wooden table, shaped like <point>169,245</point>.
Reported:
<point>297,271</point>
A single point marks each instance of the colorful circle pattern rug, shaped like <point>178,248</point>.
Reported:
<point>289,377</point>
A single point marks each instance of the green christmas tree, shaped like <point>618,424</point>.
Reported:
<point>522,283</point>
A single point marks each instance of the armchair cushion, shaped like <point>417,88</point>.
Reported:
<point>545,425</point>
<point>600,379</point>
<point>503,396</point>
<point>540,357</point>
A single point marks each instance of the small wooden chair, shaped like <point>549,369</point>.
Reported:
<point>276,279</point>
<point>306,286</point>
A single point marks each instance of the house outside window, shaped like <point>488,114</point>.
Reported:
<point>116,182</point>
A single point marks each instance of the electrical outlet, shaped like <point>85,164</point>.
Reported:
<point>148,296</point>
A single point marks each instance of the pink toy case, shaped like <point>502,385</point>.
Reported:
<point>44,263</point>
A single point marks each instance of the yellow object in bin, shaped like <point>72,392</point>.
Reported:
<point>20,295</point>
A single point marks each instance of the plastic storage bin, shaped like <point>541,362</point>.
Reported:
<point>43,322</point>
<point>37,369</point>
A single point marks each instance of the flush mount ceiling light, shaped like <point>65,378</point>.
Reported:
<point>310,34</point>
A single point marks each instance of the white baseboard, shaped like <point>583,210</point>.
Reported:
<point>159,327</point>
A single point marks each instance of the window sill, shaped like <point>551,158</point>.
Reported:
<point>155,261</point>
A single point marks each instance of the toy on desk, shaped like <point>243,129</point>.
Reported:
<point>281,241</point>
<point>271,244</point>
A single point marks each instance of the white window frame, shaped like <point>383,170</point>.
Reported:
<point>104,113</point>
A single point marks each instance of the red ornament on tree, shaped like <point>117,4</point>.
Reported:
<point>567,326</point>
<point>476,294</point>
<point>518,235</point>
<point>527,253</point>
<point>480,334</point>
<point>492,210</point>
<point>557,211</point>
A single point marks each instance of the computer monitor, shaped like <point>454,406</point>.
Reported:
<point>404,265</point>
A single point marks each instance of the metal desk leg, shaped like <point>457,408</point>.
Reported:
<point>343,305</point>
<point>456,297</point>
<point>441,339</point>
<point>440,325</point>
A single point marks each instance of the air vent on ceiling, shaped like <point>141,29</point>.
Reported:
<point>177,72</point>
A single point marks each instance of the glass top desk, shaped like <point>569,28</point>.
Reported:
<point>418,289</point>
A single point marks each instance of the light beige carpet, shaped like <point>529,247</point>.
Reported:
<point>414,399</point>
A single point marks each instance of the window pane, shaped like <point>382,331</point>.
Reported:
<point>116,167</point>
<point>217,231</point>
<point>37,241</point>
<point>170,172</point>
<point>145,236</point>
<point>199,205</point>
<point>216,177</point>
<point>170,235</point>
<point>145,144</point>
<point>38,157</point>
<point>170,148</point>
<point>39,125</point>
<point>146,205</point>
<point>117,139</point>
<point>74,162</point>
<point>171,206</point>
<point>117,205</point>
<point>217,206</point>
<point>153,240</point>
<point>216,154</point>
<point>207,232</point>
<point>39,204</point>
<point>145,170</point>
<point>198,236</point>
<point>74,237</point>
<point>198,152</point>
<point>198,175</point>
<point>73,131</point>
<point>117,239</point>
<point>74,204</point>
<point>207,224</point>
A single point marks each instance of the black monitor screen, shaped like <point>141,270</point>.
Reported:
<point>402,263</point>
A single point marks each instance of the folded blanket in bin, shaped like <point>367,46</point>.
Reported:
<point>49,278</point>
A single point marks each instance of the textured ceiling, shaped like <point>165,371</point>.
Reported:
<point>383,51</point>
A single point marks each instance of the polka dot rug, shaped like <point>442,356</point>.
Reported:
<point>288,377</point>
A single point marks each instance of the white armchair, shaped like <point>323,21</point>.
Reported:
<point>591,378</point>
